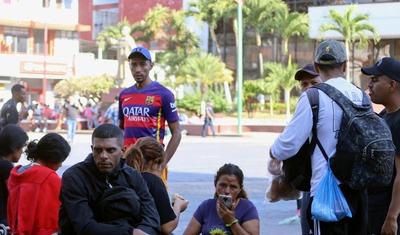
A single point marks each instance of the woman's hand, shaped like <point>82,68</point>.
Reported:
<point>224,213</point>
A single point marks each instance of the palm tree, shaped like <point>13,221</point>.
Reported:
<point>204,70</point>
<point>165,25</point>
<point>182,37</point>
<point>211,11</point>
<point>284,77</point>
<point>352,28</point>
<point>257,13</point>
<point>287,25</point>
<point>153,25</point>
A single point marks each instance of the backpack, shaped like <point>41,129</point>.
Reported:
<point>297,169</point>
<point>365,152</point>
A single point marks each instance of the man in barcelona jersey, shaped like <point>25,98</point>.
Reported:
<point>146,106</point>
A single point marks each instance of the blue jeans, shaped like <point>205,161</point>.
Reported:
<point>207,122</point>
<point>71,127</point>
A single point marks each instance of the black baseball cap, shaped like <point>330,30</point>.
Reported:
<point>309,68</point>
<point>386,66</point>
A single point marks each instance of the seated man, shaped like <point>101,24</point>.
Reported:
<point>102,195</point>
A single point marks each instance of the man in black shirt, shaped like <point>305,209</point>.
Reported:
<point>384,202</point>
<point>9,113</point>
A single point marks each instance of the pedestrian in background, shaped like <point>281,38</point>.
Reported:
<point>12,141</point>
<point>208,119</point>
<point>88,114</point>
<point>71,112</point>
<point>33,189</point>
<point>146,106</point>
<point>111,115</point>
<point>384,202</point>
<point>9,113</point>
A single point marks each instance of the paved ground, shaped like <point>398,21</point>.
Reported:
<point>193,167</point>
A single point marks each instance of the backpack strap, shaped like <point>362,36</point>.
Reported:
<point>313,98</point>
<point>345,103</point>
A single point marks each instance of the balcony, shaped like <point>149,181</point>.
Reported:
<point>35,16</point>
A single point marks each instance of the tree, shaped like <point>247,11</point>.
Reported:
<point>212,11</point>
<point>204,70</point>
<point>88,87</point>
<point>287,25</point>
<point>251,88</point>
<point>152,27</point>
<point>106,38</point>
<point>352,27</point>
<point>257,13</point>
<point>284,76</point>
<point>164,25</point>
<point>271,87</point>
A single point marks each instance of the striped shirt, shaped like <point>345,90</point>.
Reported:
<point>145,111</point>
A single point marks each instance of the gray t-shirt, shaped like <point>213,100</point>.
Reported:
<point>71,111</point>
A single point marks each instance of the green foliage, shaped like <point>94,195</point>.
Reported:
<point>211,11</point>
<point>163,24</point>
<point>204,69</point>
<point>251,88</point>
<point>192,102</point>
<point>352,28</point>
<point>351,25</point>
<point>111,34</point>
<point>281,75</point>
<point>261,14</point>
<point>88,87</point>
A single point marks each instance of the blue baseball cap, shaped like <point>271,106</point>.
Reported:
<point>140,50</point>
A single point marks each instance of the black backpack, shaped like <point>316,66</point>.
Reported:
<point>297,169</point>
<point>365,152</point>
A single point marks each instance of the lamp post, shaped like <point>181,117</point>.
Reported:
<point>239,66</point>
<point>44,81</point>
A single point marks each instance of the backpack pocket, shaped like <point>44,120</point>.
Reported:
<point>371,168</point>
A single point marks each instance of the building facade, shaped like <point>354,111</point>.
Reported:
<point>39,41</point>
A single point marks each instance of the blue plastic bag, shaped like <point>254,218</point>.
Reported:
<point>329,203</point>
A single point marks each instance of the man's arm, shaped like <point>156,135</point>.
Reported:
<point>12,115</point>
<point>173,143</point>
<point>209,114</point>
<point>390,224</point>
<point>287,144</point>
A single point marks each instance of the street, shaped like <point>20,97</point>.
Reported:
<point>192,169</point>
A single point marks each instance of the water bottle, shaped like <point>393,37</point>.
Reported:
<point>290,220</point>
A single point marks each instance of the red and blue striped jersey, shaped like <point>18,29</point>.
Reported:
<point>145,111</point>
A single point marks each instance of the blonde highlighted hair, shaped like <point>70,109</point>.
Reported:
<point>144,151</point>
